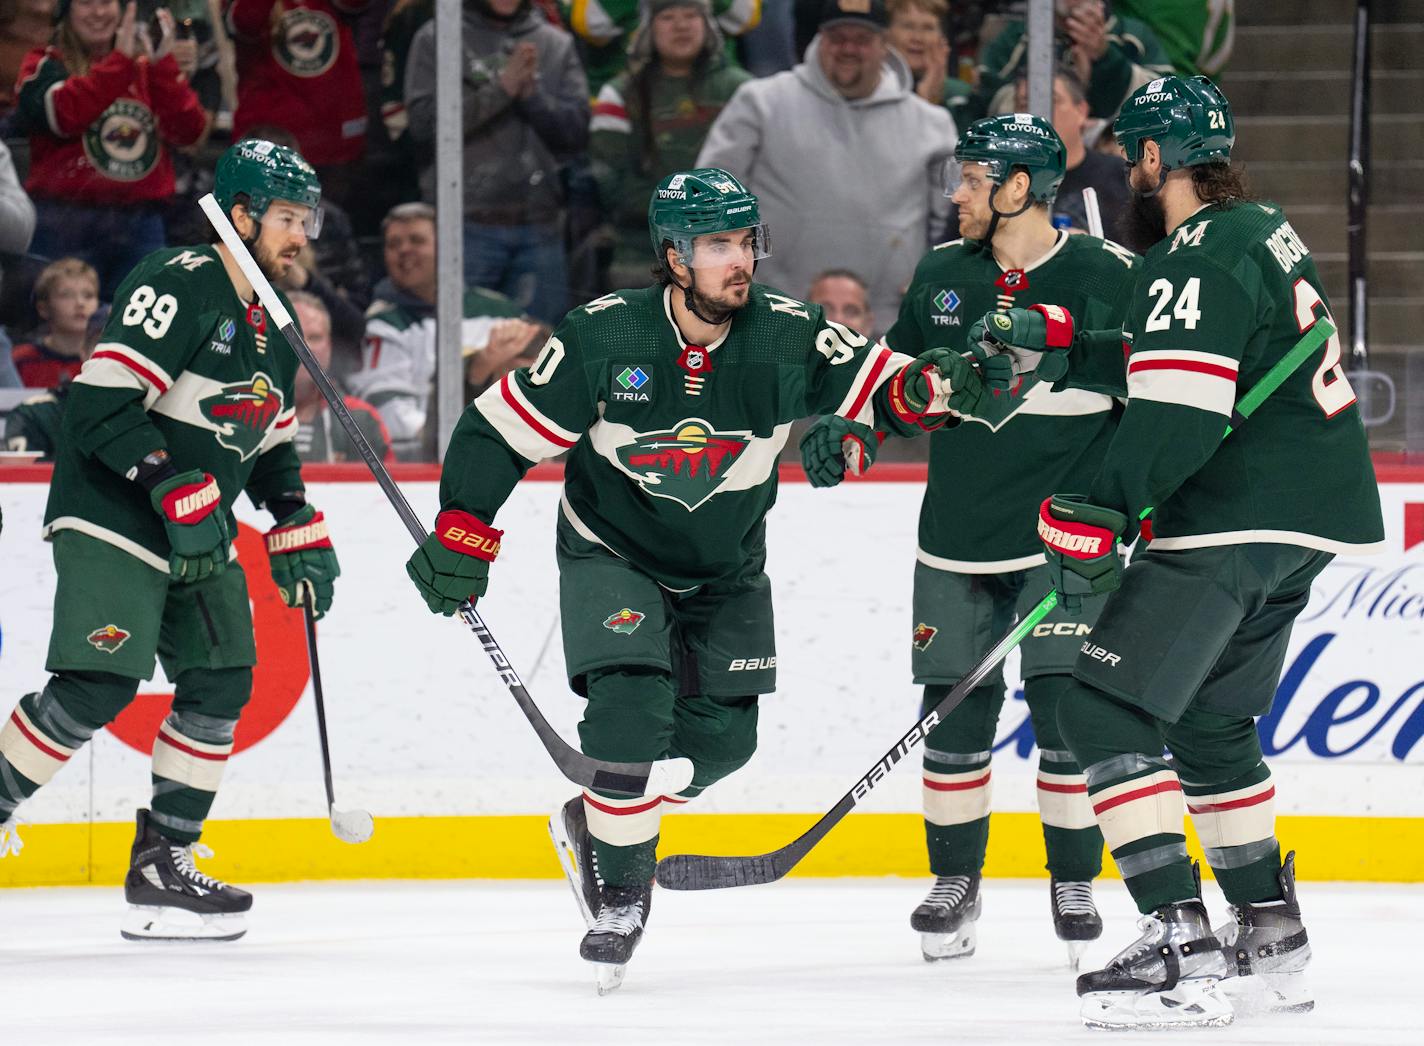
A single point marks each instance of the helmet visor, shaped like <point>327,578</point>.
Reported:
<point>717,249</point>
<point>954,173</point>
<point>285,216</point>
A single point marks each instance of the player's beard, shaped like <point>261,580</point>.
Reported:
<point>1146,221</point>
<point>271,262</point>
<point>718,308</point>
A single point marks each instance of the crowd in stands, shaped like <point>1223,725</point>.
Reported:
<point>839,114</point>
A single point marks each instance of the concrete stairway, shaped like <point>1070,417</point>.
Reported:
<point>1289,85</point>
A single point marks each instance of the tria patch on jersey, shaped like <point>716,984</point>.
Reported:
<point>108,639</point>
<point>632,380</point>
<point>243,412</point>
<point>687,463</point>
<point>924,636</point>
<point>624,622</point>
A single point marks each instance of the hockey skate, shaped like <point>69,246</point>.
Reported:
<point>1166,979</point>
<point>1075,917</point>
<point>616,931</point>
<point>1267,950</point>
<point>170,900</point>
<point>946,918</point>
<point>568,828</point>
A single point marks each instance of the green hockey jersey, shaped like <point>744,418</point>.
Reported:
<point>988,475</point>
<point>674,446</point>
<point>1219,301</point>
<point>182,363</point>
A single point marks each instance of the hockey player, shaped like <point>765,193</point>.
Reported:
<point>186,402</point>
<point>1190,646</point>
<point>674,401</point>
<point>979,562</point>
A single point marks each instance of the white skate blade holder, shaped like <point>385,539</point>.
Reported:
<point>610,976</point>
<point>669,776</point>
<point>352,826</point>
<point>1075,953</point>
<point>937,947</point>
<point>159,923</point>
<point>1191,1004</point>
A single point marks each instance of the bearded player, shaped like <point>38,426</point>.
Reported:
<point>979,562</point>
<point>674,401</point>
<point>1191,642</point>
<point>185,403</point>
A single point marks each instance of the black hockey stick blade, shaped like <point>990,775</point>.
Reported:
<point>698,872</point>
<point>660,777</point>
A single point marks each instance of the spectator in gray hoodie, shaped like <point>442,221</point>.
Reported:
<point>844,158</point>
<point>526,112</point>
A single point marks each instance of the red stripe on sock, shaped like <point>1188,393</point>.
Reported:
<point>1141,793</point>
<point>957,786</point>
<point>1070,789</point>
<point>1234,804</point>
<point>46,749</point>
<point>622,811</point>
<point>171,742</point>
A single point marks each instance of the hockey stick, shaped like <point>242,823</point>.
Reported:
<point>699,872</point>
<point>661,777</point>
<point>1091,214</point>
<point>350,826</point>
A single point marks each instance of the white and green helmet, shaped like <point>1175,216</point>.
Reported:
<point>264,172</point>
<point>695,203</point>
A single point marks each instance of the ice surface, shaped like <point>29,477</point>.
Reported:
<point>821,961</point>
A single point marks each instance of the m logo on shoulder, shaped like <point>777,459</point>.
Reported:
<point>1189,237</point>
<point>190,261</point>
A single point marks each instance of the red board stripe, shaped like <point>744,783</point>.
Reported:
<point>1140,793</point>
<point>30,737</point>
<point>529,419</point>
<point>1234,804</point>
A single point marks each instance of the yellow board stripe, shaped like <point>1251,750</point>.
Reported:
<point>1354,849</point>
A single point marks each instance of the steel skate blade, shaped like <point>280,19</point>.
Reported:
<point>1075,953</point>
<point>937,947</point>
<point>610,976</point>
<point>568,860</point>
<point>1192,1004</point>
<point>158,923</point>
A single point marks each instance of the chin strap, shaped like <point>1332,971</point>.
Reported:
<point>997,214</point>
<point>690,302</point>
<point>1161,181</point>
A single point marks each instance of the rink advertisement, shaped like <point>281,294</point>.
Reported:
<point>425,736</point>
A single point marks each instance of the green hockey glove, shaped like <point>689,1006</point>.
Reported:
<point>1080,543</point>
<point>452,564</point>
<point>836,445</point>
<point>939,384</point>
<point>302,560</point>
<point>1037,339</point>
<point>193,517</point>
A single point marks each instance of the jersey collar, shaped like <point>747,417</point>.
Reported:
<point>1057,246</point>
<point>677,333</point>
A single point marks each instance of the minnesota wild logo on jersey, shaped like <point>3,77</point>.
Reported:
<point>686,464</point>
<point>108,639</point>
<point>121,144</point>
<point>242,413</point>
<point>306,42</point>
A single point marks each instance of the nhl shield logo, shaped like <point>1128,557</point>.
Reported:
<point>243,412</point>
<point>686,464</point>
<point>108,639</point>
<point>924,635</point>
<point>1012,281</point>
<point>625,622</point>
